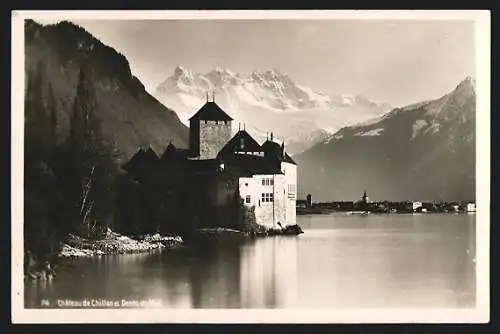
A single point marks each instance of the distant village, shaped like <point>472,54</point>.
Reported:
<point>365,205</point>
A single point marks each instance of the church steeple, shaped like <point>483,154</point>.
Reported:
<point>365,197</point>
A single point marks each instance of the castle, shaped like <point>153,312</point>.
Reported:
<point>221,166</point>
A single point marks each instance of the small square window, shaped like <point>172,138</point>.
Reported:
<point>248,199</point>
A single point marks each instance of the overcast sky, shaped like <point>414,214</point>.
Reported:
<point>399,62</point>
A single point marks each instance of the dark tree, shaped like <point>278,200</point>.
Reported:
<point>42,194</point>
<point>87,167</point>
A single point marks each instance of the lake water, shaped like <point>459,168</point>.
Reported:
<point>341,261</point>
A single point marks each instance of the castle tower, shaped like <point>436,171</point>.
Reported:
<point>209,130</point>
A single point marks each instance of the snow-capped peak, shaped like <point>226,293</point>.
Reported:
<point>182,71</point>
<point>267,99</point>
<point>270,88</point>
<point>469,81</point>
<point>223,70</point>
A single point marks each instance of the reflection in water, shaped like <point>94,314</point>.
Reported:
<point>378,261</point>
<point>215,277</point>
<point>269,273</point>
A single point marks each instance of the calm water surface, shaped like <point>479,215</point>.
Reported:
<point>341,261</point>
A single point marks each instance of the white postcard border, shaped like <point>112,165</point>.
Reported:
<point>480,314</point>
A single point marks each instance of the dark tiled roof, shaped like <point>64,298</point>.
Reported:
<point>144,155</point>
<point>143,158</point>
<point>212,167</point>
<point>235,165</point>
<point>273,150</point>
<point>211,112</point>
<point>172,152</point>
<point>235,170</point>
<point>253,164</point>
<point>241,142</point>
<point>289,159</point>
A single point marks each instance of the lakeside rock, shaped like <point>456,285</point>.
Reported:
<point>115,243</point>
<point>219,233</point>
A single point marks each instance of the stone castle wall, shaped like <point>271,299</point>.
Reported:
<point>268,213</point>
<point>213,136</point>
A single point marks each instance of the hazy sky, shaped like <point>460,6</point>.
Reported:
<point>388,61</point>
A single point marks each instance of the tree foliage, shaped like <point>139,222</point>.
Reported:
<point>69,187</point>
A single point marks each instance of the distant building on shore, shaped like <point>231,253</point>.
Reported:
<point>305,203</point>
<point>417,206</point>
<point>471,207</point>
<point>363,203</point>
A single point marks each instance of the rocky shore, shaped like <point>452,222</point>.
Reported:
<point>115,243</point>
<point>219,233</point>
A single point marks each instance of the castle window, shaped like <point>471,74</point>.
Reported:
<point>247,199</point>
<point>225,122</point>
<point>267,197</point>
<point>267,182</point>
<point>242,143</point>
<point>205,121</point>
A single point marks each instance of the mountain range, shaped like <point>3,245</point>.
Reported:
<point>424,151</point>
<point>344,144</point>
<point>130,118</point>
<point>266,101</point>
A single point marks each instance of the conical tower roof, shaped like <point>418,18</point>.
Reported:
<point>211,112</point>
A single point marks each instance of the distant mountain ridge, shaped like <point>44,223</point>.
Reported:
<point>266,101</point>
<point>130,118</point>
<point>424,151</point>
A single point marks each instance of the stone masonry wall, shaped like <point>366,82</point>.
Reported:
<point>213,136</point>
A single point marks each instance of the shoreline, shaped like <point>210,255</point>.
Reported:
<point>260,232</point>
<point>76,247</point>
<point>115,243</point>
<point>327,212</point>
